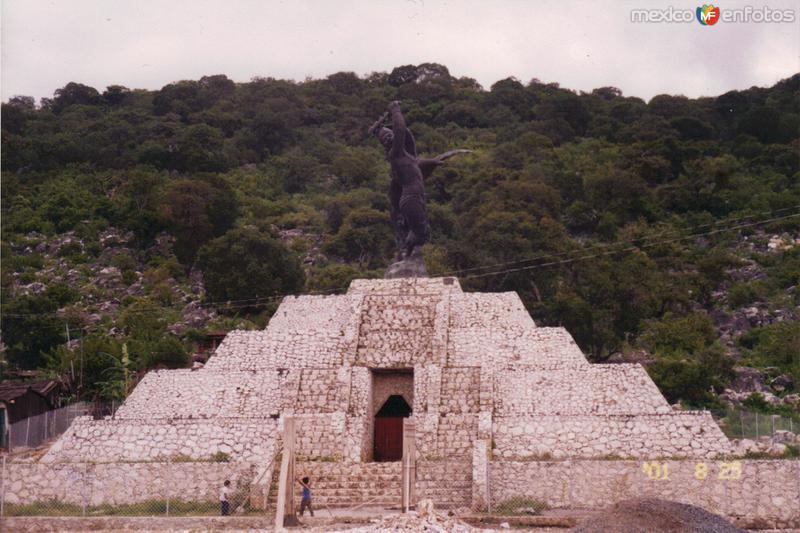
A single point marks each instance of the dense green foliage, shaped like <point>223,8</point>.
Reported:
<point>592,193</point>
<point>244,265</point>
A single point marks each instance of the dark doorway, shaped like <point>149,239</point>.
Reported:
<point>389,429</point>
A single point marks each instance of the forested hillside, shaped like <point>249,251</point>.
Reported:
<point>664,231</point>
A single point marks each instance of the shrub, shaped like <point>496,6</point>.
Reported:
<point>744,293</point>
<point>220,457</point>
<point>168,351</point>
<point>244,264</point>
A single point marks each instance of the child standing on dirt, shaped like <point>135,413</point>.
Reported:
<point>306,501</point>
<point>225,508</point>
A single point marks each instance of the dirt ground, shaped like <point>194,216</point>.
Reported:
<point>632,516</point>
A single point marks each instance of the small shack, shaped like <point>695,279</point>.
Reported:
<point>21,400</point>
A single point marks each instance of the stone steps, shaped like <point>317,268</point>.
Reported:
<point>348,485</point>
<point>378,484</point>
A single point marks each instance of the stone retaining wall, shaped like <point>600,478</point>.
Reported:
<point>203,394</point>
<point>503,346</point>
<point>321,436</point>
<point>622,389</point>
<point>447,482</point>
<point>676,434</point>
<point>317,331</point>
<point>122,483</point>
<point>243,439</point>
<point>754,493</point>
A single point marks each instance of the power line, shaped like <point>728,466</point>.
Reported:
<point>609,245</point>
<point>631,248</point>
<point>261,301</point>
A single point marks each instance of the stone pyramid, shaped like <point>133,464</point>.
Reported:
<point>471,366</point>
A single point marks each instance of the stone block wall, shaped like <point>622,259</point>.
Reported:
<point>396,331</point>
<point>122,483</point>
<point>679,434</point>
<point>475,310</point>
<point>404,286</point>
<point>753,493</point>
<point>315,331</point>
<point>320,436</point>
<point>456,433</point>
<point>589,389</point>
<point>504,347</point>
<point>447,482</point>
<point>243,439</point>
<point>321,390</point>
<point>203,394</point>
<point>460,391</point>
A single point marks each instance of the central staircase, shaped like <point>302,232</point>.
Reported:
<point>346,485</point>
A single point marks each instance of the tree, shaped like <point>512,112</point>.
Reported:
<point>198,210</point>
<point>689,360</point>
<point>182,97</point>
<point>30,329</point>
<point>402,75</point>
<point>115,95</point>
<point>365,236</point>
<point>200,150</point>
<point>345,82</point>
<point>245,264</point>
<point>74,94</point>
<point>512,94</point>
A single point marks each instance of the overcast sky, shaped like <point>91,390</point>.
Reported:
<point>581,45</point>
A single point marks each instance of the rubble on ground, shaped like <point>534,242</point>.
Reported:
<point>426,520</point>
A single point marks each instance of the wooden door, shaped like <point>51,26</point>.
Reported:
<point>389,438</point>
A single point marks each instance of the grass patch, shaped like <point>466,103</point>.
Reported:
<point>146,508</point>
<point>220,457</point>
<point>520,505</point>
<point>320,458</point>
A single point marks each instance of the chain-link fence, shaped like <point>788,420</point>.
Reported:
<point>169,488</point>
<point>741,424</point>
<point>519,506</point>
<point>34,430</point>
<point>500,501</point>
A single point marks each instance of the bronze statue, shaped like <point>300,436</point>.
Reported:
<point>407,188</point>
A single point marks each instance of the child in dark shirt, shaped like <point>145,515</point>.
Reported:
<point>306,501</point>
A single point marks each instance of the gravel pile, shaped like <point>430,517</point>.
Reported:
<point>655,516</point>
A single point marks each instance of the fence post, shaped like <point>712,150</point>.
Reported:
<point>756,424</point>
<point>27,431</point>
<point>285,509</point>
<point>3,488</point>
<point>83,499</point>
<point>169,476</point>
<point>408,465</point>
<point>489,478</point>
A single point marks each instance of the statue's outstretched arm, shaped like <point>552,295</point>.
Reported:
<point>398,128</point>
<point>427,166</point>
<point>378,124</point>
<point>450,153</point>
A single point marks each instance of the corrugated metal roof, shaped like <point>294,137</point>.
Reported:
<point>11,390</point>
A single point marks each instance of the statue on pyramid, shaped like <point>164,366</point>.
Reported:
<point>406,191</point>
